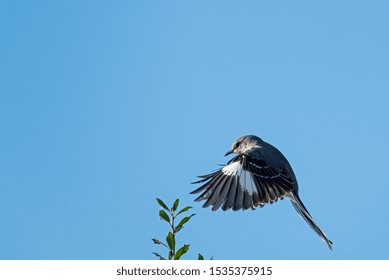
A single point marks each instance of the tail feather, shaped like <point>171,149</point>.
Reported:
<point>300,208</point>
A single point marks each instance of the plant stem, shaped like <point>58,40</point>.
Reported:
<point>174,235</point>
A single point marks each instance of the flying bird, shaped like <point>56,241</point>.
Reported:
<point>259,174</point>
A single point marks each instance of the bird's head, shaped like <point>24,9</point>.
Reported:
<point>245,144</point>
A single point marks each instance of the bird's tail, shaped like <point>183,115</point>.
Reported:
<point>300,208</point>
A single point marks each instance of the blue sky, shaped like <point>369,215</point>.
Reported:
<point>105,106</point>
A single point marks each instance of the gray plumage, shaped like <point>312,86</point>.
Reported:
<point>259,174</point>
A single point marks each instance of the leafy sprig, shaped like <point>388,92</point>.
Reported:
<point>170,215</point>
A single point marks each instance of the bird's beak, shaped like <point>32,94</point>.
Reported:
<point>228,153</point>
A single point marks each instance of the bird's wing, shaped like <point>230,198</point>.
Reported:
<point>243,183</point>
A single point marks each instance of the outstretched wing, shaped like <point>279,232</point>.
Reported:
<point>243,183</point>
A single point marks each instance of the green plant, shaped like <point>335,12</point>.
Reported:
<point>170,215</point>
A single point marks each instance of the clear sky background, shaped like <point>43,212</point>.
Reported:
<point>106,105</point>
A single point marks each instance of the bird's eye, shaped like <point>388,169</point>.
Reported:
<point>237,145</point>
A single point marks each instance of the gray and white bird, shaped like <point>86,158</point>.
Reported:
<point>258,175</point>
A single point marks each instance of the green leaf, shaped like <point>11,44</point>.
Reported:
<point>175,205</point>
<point>162,204</point>
<point>171,241</point>
<point>184,210</point>
<point>182,222</point>
<point>156,241</point>
<point>159,256</point>
<point>170,256</point>
<point>164,216</point>
<point>200,257</point>
<point>181,251</point>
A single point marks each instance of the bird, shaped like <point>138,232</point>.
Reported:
<point>259,174</point>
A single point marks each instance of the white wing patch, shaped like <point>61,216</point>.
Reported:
<point>232,169</point>
<point>245,178</point>
<point>248,182</point>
